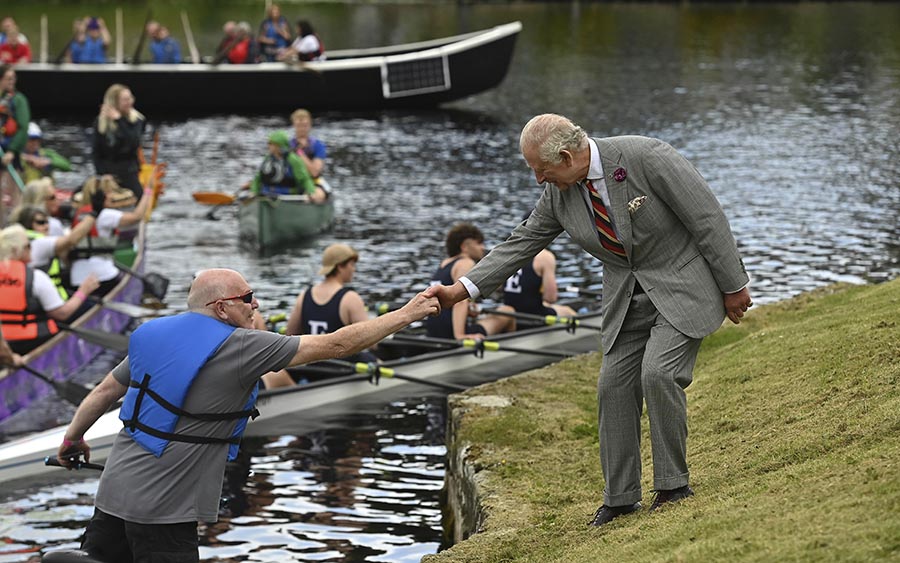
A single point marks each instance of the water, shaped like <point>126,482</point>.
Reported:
<point>790,112</point>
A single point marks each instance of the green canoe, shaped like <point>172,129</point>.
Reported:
<point>268,221</point>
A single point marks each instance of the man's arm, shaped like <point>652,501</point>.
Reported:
<point>100,399</point>
<point>359,336</point>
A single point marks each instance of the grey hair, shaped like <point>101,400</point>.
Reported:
<point>13,242</point>
<point>209,285</point>
<point>551,134</point>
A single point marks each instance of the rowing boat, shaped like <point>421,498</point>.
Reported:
<point>412,75</point>
<point>267,221</point>
<point>67,352</point>
<point>348,392</point>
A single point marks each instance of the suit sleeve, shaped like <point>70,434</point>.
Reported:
<point>683,189</point>
<point>526,240</point>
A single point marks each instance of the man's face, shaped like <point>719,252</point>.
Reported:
<point>236,311</point>
<point>562,175</point>
<point>472,248</point>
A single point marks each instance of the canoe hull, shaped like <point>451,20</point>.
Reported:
<point>389,78</point>
<point>268,222</point>
<point>322,400</point>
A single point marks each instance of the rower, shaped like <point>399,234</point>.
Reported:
<point>282,172</point>
<point>465,246</point>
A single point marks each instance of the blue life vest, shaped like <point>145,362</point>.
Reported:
<point>160,381</point>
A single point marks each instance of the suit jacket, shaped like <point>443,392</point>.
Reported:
<point>678,243</point>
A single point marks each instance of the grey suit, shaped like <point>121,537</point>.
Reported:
<point>680,249</point>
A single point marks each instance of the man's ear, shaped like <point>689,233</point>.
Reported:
<point>567,157</point>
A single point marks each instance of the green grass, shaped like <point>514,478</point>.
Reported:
<point>794,448</point>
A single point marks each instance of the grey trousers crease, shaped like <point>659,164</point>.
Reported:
<point>651,361</point>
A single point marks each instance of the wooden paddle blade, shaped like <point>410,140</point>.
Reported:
<point>213,198</point>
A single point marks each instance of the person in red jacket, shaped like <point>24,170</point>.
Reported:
<point>14,51</point>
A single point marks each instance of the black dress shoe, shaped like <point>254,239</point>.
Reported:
<point>605,513</point>
<point>672,495</point>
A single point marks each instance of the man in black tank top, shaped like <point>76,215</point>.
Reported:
<point>532,289</point>
<point>465,246</point>
<point>329,305</point>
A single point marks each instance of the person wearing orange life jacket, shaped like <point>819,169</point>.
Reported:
<point>94,254</point>
<point>30,301</point>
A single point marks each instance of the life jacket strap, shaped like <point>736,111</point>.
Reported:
<point>209,417</point>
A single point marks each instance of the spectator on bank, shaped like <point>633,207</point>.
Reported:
<point>306,47</point>
<point>13,50</point>
<point>274,33</point>
<point>243,51</point>
<point>89,46</point>
<point>164,48</point>
<point>6,26</point>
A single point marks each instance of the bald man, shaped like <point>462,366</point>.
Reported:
<point>189,384</point>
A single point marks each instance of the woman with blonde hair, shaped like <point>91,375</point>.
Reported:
<point>117,138</point>
<point>30,310</point>
<point>41,194</point>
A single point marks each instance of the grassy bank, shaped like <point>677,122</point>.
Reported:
<point>794,448</point>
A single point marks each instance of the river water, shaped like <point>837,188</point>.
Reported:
<point>790,112</point>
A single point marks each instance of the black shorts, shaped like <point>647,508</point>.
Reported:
<point>113,540</point>
<point>475,328</point>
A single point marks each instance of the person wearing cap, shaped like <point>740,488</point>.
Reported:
<point>90,43</point>
<point>330,305</point>
<point>39,161</point>
<point>282,172</point>
<point>102,198</point>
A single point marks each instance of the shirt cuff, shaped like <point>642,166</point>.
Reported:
<point>737,291</point>
<point>470,287</point>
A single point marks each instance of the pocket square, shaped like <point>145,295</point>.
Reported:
<point>636,203</point>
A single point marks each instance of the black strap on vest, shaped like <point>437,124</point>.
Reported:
<point>133,423</point>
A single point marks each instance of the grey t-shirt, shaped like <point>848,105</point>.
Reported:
<point>184,484</point>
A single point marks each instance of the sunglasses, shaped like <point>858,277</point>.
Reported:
<point>246,298</point>
<point>40,221</point>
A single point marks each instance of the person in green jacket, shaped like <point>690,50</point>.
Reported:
<point>282,172</point>
<point>15,115</point>
<point>38,161</point>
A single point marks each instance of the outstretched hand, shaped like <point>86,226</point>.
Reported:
<point>448,295</point>
<point>422,306</point>
<point>736,304</point>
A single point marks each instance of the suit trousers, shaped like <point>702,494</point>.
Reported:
<point>650,360</point>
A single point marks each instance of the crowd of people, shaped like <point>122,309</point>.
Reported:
<point>274,40</point>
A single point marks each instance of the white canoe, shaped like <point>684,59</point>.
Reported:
<point>323,400</point>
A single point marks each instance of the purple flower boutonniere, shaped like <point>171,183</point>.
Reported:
<point>620,174</point>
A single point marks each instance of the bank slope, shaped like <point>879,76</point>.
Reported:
<point>794,448</point>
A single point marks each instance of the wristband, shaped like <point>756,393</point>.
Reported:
<point>81,295</point>
<point>70,443</point>
<point>148,192</point>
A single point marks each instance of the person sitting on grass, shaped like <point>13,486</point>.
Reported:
<point>283,173</point>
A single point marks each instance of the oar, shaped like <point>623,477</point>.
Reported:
<point>52,461</point>
<point>117,342</point>
<point>71,392</point>
<point>136,59</point>
<point>129,309</point>
<point>479,346</point>
<point>375,372</point>
<point>580,291</point>
<point>214,198</point>
<point>15,174</point>
<point>155,284</point>
<point>569,322</point>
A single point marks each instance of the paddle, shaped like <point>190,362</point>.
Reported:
<point>376,372</point>
<point>478,346</point>
<point>71,392</point>
<point>581,291</point>
<point>570,322</point>
<point>129,309</point>
<point>117,342</point>
<point>14,173</point>
<point>53,462</point>
<point>155,284</point>
<point>214,198</point>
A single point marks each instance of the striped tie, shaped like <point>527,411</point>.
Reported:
<point>608,238</point>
